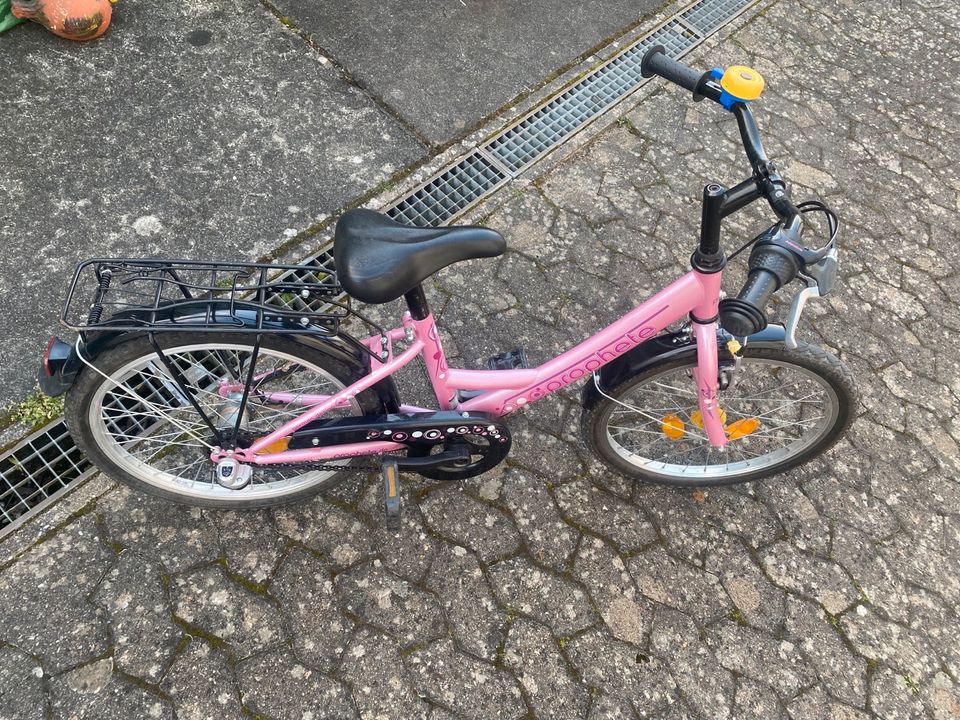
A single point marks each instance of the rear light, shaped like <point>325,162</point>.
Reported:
<point>55,357</point>
<point>46,356</point>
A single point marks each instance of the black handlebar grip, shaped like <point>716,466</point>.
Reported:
<point>771,267</point>
<point>657,62</point>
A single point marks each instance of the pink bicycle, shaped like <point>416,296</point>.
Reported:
<point>234,385</point>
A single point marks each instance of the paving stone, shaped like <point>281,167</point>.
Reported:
<point>663,579</point>
<point>707,687</point>
<point>548,598</point>
<point>251,544</point>
<point>201,684</point>
<point>342,538</point>
<point>841,498</point>
<point>623,524</point>
<point>941,696</point>
<point>779,664</point>
<point>930,615</point>
<point>476,622</point>
<point>618,670</point>
<point>842,673</point>
<point>820,579</point>
<point>799,517</point>
<point>738,512</point>
<point>390,603</point>
<point>144,635</point>
<point>22,693</point>
<point>755,701</point>
<point>875,578</point>
<point>95,692</point>
<point>815,704</point>
<point>468,522</point>
<point>380,683</point>
<point>43,596</point>
<point>679,522</point>
<point>209,600</point>
<point>906,650</point>
<point>894,695</point>
<point>468,687</point>
<point>308,602</point>
<point>179,536</point>
<point>549,539</point>
<point>533,655</point>
<point>607,707</point>
<point>277,686</point>
<point>758,600</point>
<point>605,575</point>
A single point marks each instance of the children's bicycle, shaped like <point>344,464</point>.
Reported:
<point>234,385</point>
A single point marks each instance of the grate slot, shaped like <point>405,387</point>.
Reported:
<point>552,123</point>
<point>708,15</point>
<point>450,193</point>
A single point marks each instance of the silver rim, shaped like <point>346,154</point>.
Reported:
<point>795,408</point>
<point>142,421</point>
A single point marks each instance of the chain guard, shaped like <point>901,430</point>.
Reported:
<point>423,434</point>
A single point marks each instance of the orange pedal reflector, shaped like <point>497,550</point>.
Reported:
<point>742,427</point>
<point>697,419</point>
<point>279,446</point>
<point>673,427</point>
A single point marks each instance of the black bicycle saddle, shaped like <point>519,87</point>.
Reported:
<point>378,259</point>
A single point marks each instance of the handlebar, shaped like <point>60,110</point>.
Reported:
<point>704,85</point>
<point>778,256</point>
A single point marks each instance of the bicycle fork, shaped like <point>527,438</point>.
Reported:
<point>706,376</point>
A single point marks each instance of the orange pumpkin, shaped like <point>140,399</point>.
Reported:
<point>71,19</point>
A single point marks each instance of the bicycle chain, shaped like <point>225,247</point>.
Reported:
<point>323,467</point>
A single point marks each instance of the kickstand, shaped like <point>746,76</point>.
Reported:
<point>390,474</point>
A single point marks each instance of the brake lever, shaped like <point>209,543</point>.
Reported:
<point>820,279</point>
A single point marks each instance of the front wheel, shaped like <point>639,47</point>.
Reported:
<point>787,407</point>
<point>132,418</point>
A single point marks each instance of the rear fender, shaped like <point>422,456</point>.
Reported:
<point>342,348</point>
<point>662,348</point>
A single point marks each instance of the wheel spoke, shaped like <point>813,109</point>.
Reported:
<point>792,405</point>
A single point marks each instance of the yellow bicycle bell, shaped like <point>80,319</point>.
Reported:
<point>742,82</point>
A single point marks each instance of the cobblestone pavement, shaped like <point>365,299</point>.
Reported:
<point>551,587</point>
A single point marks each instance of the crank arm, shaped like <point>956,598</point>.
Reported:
<point>441,458</point>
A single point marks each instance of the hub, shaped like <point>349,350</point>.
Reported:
<point>232,474</point>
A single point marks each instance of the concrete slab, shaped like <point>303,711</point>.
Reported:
<point>205,130</point>
<point>444,65</point>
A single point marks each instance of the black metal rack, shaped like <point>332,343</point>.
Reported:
<point>129,294</point>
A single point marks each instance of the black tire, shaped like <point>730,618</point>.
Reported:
<point>111,448</point>
<point>836,381</point>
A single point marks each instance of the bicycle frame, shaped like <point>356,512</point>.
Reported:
<point>695,294</point>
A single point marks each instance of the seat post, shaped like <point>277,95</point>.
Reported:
<point>417,302</point>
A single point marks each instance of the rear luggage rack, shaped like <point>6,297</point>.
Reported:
<point>174,295</point>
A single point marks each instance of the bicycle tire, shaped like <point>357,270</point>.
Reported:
<point>87,417</point>
<point>836,381</point>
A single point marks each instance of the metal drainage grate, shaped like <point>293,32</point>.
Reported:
<point>46,463</point>
<point>558,119</point>
<point>450,193</point>
<point>37,469</point>
<point>708,15</point>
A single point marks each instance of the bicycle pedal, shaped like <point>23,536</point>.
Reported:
<point>390,475</point>
<point>510,360</point>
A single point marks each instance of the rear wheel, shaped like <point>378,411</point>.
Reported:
<point>787,407</point>
<point>133,420</point>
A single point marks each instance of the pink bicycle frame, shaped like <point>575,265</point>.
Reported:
<point>504,391</point>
